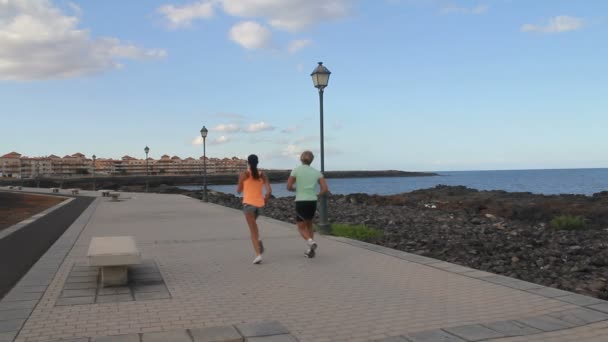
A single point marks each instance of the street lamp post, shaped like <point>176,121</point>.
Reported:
<point>94,158</point>
<point>147,149</point>
<point>320,79</point>
<point>204,132</point>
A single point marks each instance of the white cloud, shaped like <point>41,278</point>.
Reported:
<point>259,127</point>
<point>251,35</point>
<point>197,141</point>
<point>297,45</point>
<point>291,129</point>
<point>39,41</point>
<point>182,16</point>
<point>292,151</point>
<point>220,140</point>
<point>562,23</point>
<point>451,8</point>
<point>227,128</point>
<point>290,15</point>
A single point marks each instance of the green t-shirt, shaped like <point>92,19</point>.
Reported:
<point>307,179</point>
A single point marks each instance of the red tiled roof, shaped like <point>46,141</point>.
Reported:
<point>11,155</point>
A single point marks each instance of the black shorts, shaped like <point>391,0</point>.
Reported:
<point>305,210</point>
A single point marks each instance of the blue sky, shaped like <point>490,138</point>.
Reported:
<point>415,84</point>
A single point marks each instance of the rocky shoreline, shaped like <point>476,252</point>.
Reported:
<point>494,231</point>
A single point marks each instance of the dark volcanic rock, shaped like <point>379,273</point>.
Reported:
<point>494,231</point>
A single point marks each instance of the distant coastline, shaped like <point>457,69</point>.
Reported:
<point>115,182</point>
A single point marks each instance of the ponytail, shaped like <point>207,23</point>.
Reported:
<point>253,166</point>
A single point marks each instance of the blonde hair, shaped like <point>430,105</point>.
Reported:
<point>307,157</point>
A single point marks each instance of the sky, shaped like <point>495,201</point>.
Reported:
<point>416,85</point>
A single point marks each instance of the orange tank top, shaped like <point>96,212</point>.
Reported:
<point>252,191</point>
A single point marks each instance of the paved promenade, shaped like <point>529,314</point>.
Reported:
<point>201,280</point>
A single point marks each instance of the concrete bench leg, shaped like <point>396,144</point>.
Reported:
<point>114,276</point>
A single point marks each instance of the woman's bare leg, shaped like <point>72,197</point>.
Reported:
<point>253,229</point>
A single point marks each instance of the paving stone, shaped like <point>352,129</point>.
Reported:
<point>546,323</point>
<point>580,300</point>
<point>151,295</point>
<point>22,304</point>
<point>474,332</point>
<point>580,316</point>
<point>114,298</point>
<point>11,325</point>
<point>433,336</point>
<point>6,315</point>
<point>171,336</point>
<point>549,292</point>
<point>72,280</point>
<point>599,307</point>
<point>105,291</point>
<point>394,339</point>
<point>216,334</point>
<point>273,338</point>
<point>8,336</point>
<point>512,328</point>
<point>261,329</point>
<point>117,338</point>
<point>511,282</point>
<point>80,286</point>
<point>150,288</point>
<point>26,289</point>
<point>77,339</point>
<point>78,293</point>
<point>75,301</point>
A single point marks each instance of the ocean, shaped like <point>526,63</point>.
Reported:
<point>548,182</point>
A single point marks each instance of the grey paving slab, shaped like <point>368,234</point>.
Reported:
<point>433,336</point>
<point>11,325</point>
<point>20,296</point>
<point>7,336</point>
<point>150,288</point>
<point>78,339</point>
<point>394,339</point>
<point>117,338</point>
<point>170,336</point>
<point>580,316</point>
<point>549,292</point>
<point>216,334</point>
<point>75,301</point>
<point>6,315</point>
<point>78,293</point>
<point>79,286</point>
<point>114,298</point>
<point>261,329</point>
<point>274,338</point>
<point>151,295</point>
<point>40,288</point>
<point>511,282</point>
<point>474,332</point>
<point>104,291</point>
<point>512,328</point>
<point>546,323</point>
<point>581,300</point>
<point>599,307</point>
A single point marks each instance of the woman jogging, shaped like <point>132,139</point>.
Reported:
<point>251,183</point>
<point>306,178</point>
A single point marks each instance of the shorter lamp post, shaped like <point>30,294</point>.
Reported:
<point>94,158</point>
<point>320,79</point>
<point>204,132</point>
<point>147,149</point>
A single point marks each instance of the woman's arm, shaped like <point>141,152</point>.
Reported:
<point>324,188</point>
<point>242,177</point>
<point>290,182</point>
<point>268,187</point>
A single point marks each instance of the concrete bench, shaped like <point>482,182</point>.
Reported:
<point>105,193</point>
<point>74,191</point>
<point>54,190</point>
<point>19,188</point>
<point>11,187</point>
<point>113,254</point>
<point>114,196</point>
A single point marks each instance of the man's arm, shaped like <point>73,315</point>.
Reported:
<point>324,188</point>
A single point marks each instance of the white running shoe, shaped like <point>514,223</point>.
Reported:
<point>311,252</point>
<point>257,260</point>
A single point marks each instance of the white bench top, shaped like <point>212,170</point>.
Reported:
<point>113,251</point>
